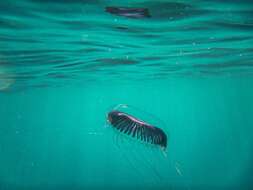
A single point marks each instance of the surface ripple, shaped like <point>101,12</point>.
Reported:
<point>51,42</point>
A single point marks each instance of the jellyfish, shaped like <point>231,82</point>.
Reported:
<point>140,139</point>
<point>140,126</point>
<point>132,126</point>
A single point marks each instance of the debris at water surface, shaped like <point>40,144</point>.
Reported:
<point>129,12</point>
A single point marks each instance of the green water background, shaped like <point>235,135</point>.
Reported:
<point>55,138</point>
<point>64,64</point>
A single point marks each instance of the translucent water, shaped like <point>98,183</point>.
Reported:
<point>63,63</point>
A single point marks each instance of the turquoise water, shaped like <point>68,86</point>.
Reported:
<point>65,64</point>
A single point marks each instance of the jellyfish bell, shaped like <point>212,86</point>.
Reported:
<point>137,128</point>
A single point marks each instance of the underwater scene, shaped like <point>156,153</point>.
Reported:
<point>126,94</point>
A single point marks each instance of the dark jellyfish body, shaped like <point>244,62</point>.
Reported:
<point>134,127</point>
<point>129,12</point>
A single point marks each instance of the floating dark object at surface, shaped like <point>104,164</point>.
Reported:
<point>129,12</point>
<point>134,127</point>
